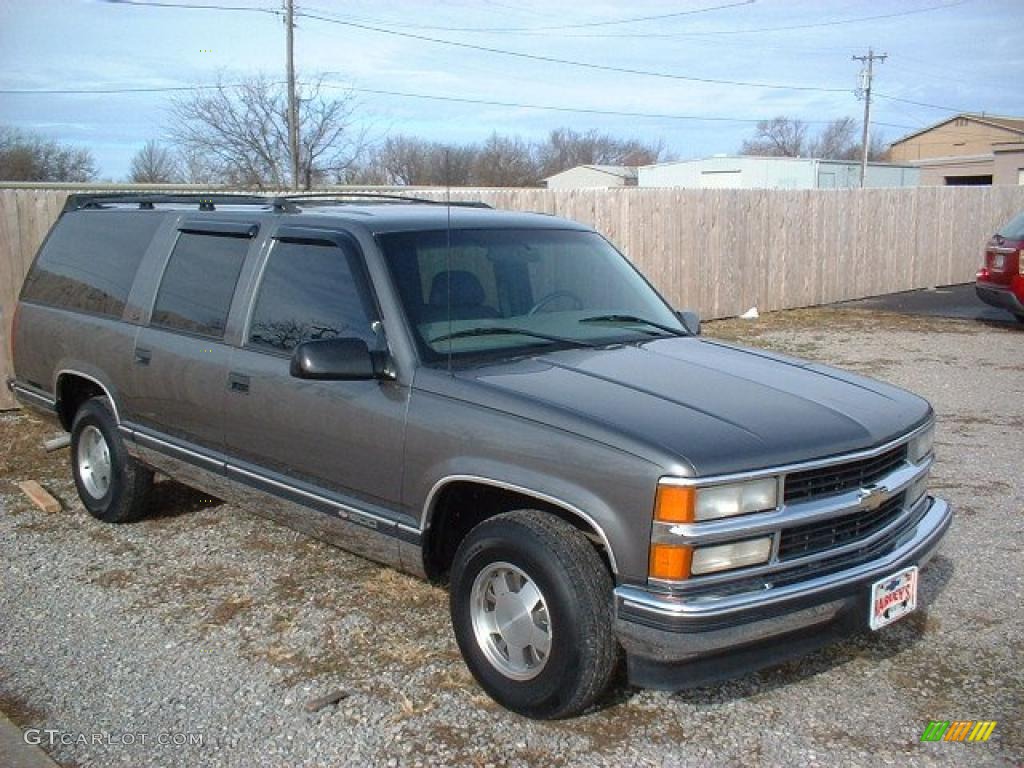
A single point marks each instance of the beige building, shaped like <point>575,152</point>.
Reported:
<point>966,149</point>
<point>593,176</point>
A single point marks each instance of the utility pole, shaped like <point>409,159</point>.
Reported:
<point>866,74</point>
<point>293,114</point>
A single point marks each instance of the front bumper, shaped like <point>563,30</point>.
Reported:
<point>673,642</point>
<point>1000,297</point>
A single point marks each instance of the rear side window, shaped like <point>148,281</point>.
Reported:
<point>1014,229</point>
<point>198,283</point>
<point>89,261</point>
<point>310,291</point>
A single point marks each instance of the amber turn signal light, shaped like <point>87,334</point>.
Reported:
<point>670,562</point>
<point>674,504</point>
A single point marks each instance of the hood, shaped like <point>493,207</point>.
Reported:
<point>718,407</point>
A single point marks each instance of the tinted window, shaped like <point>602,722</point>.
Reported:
<point>90,259</point>
<point>195,293</point>
<point>1014,230</point>
<point>310,291</point>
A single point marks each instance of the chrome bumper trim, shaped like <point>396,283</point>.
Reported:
<point>680,609</point>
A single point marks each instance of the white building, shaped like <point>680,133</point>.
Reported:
<point>749,172</point>
<point>593,176</point>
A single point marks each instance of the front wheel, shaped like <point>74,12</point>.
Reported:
<point>531,609</point>
<point>112,485</point>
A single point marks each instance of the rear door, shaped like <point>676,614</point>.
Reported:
<point>180,359</point>
<point>344,437</point>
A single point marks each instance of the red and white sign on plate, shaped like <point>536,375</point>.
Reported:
<point>893,597</point>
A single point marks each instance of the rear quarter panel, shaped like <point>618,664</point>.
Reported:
<point>50,340</point>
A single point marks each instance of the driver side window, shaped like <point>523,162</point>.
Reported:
<point>310,291</point>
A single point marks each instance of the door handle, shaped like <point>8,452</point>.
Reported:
<point>142,356</point>
<point>238,382</point>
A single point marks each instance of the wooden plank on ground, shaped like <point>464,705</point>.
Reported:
<point>39,496</point>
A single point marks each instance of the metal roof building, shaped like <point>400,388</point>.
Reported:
<point>751,172</point>
<point>593,176</point>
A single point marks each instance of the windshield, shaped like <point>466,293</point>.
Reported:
<point>512,290</point>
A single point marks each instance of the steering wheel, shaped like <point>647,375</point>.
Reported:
<point>552,297</point>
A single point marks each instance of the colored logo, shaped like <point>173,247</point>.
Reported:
<point>958,730</point>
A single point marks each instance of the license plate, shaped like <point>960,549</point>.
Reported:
<point>998,260</point>
<point>893,597</point>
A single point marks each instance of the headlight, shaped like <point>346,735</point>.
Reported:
<point>686,504</point>
<point>921,445</point>
<point>725,557</point>
<point>678,562</point>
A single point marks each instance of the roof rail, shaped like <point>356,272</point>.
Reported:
<point>279,203</point>
<point>348,197</point>
<point>148,200</point>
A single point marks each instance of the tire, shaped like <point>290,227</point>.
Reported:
<point>111,484</point>
<point>570,614</point>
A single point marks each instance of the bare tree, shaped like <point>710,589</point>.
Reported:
<point>196,168</point>
<point>499,161</point>
<point>778,137</point>
<point>566,148</point>
<point>788,137</point>
<point>30,157</point>
<point>837,141</point>
<point>242,132</point>
<point>506,161</point>
<point>154,164</point>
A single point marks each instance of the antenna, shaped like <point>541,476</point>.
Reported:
<point>448,250</point>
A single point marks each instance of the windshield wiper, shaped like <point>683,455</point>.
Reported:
<point>634,319</point>
<point>499,331</point>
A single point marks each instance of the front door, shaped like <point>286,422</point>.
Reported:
<point>343,437</point>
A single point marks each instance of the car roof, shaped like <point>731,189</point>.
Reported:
<point>404,217</point>
<point>375,217</point>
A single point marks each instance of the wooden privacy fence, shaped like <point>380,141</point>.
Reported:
<point>717,251</point>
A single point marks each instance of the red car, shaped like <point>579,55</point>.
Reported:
<point>1000,282</point>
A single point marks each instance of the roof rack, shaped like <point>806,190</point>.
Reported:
<point>347,197</point>
<point>279,203</point>
<point>149,200</point>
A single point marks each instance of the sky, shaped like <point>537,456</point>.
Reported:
<point>943,56</point>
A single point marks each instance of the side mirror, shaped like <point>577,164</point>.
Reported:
<point>336,360</point>
<point>690,321</point>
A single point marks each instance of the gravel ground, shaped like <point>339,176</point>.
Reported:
<point>209,621</point>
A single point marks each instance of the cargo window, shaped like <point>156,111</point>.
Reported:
<point>311,291</point>
<point>196,290</point>
<point>88,262</point>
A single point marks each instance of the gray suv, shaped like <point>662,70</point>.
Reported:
<point>495,399</point>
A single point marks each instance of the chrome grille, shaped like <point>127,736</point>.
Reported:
<point>823,535</point>
<point>825,481</point>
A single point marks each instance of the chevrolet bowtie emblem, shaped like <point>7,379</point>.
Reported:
<point>873,496</point>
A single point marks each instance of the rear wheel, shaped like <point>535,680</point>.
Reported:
<point>112,485</point>
<point>531,608</point>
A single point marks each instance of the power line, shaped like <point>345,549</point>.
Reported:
<point>195,6</point>
<point>786,28</point>
<point>714,32</point>
<point>570,62</point>
<point>920,103</point>
<point>581,110</point>
<point>87,91</point>
<point>426,97</point>
<point>551,28</point>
